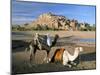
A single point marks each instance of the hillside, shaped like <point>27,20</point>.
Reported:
<point>50,20</point>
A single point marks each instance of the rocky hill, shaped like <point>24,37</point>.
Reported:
<point>50,20</point>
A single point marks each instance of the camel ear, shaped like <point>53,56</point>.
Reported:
<point>81,49</point>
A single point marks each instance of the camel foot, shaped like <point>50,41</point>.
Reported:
<point>73,63</point>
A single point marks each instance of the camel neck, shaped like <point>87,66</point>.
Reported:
<point>76,52</point>
<point>72,57</point>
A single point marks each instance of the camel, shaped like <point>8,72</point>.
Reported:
<point>67,57</point>
<point>33,46</point>
<point>41,42</point>
<point>63,56</point>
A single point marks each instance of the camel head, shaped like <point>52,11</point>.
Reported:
<point>56,36</point>
<point>79,48</point>
<point>55,40</point>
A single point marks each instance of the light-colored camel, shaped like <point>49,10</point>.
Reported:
<point>63,56</point>
<point>67,57</point>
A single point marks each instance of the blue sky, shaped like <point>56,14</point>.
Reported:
<point>26,12</point>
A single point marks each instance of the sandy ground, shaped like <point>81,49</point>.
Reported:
<point>77,34</point>
<point>20,58</point>
<point>72,33</point>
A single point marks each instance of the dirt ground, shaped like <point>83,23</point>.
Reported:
<point>20,58</point>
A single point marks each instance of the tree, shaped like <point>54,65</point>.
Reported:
<point>88,27</point>
<point>18,27</point>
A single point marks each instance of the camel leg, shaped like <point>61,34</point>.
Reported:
<point>47,59</point>
<point>65,61</point>
<point>31,53</point>
<point>31,57</point>
<point>66,64</point>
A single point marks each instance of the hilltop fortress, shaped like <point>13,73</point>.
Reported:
<point>53,21</point>
<point>50,21</point>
